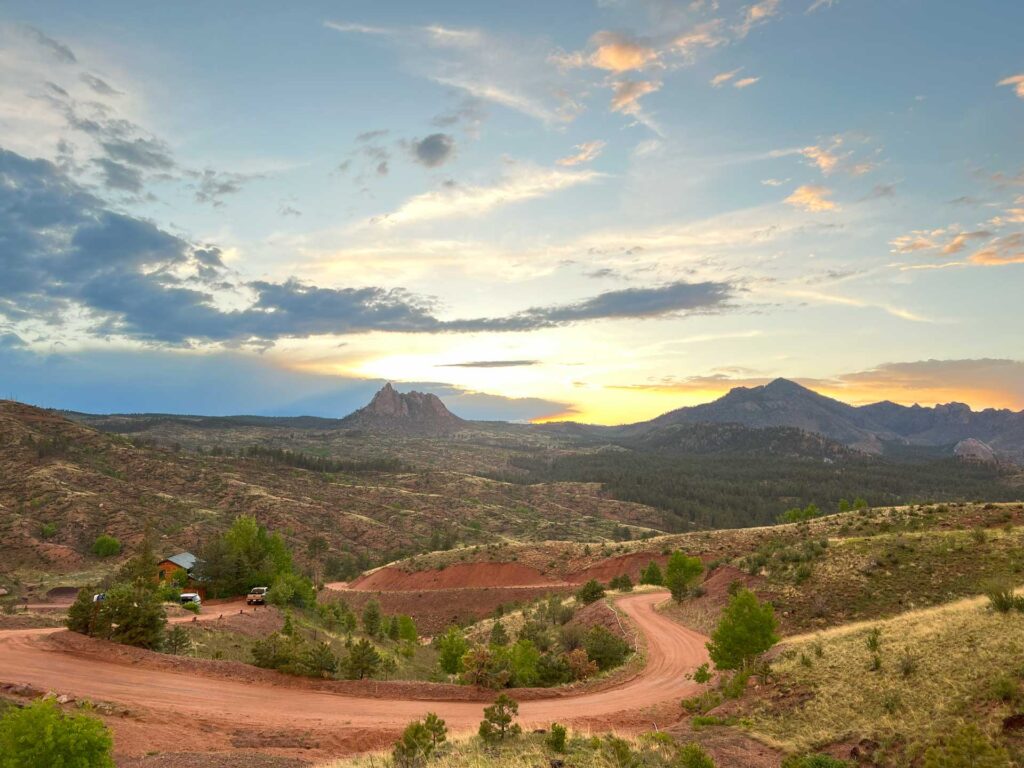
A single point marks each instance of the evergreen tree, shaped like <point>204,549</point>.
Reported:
<point>498,634</point>
<point>372,619</point>
<point>745,631</point>
<point>363,660</point>
<point>651,574</point>
<point>498,724</point>
<point>681,573</point>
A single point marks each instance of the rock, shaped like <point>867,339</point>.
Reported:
<point>974,450</point>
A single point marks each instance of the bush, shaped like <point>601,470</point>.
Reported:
<point>1001,597</point>
<point>42,736</point>
<point>498,723</point>
<point>177,641</point>
<point>745,631</point>
<point>414,746</point>
<point>590,592</point>
<point>47,530</point>
<point>292,589</point>
<point>702,675</point>
<point>651,574</point>
<point>555,739</point>
<point>451,647</point>
<point>692,756</point>
<point>621,583</point>
<point>604,648</point>
<point>681,573</point>
<point>106,546</point>
<point>363,660</point>
<point>967,748</point>
<point>814,761</point>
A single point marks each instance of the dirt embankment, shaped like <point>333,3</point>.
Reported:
<point>436,609</point>
<point>458,576</point>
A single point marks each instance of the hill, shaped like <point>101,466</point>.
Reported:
<point>62,484</point>
<point>872,428</point>
<point>411,413</point>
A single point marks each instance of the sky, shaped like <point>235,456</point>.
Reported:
<point>594,210</point>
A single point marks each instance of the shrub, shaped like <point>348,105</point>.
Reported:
<point>702,674</point>
<point>580,664</point>
<point>590,592</point>
<point>1001,597</point>
<point>192,607</point>
<point>813,761</point>
<point>498,723</point>
<point>363,660</point>
<point>413,747</point>
<point>651,574</point>
<point>48,530</point>
<point>907,664</point>
<point>177,641</point>
<point>967,748</point>
<point>604,648</point>
<point>681,573</point>
<point>621,583</point>
<point>42,736</point>
<point>436,728</point>
<point>451,647</point>
<point>692,756</point>
<point>555,739</point>
<point>372,618</point>
<point>498,634</point>
<point>1005,688</point>
<point>745,631</point>
<point>106,546</point>
<point>292,589</point>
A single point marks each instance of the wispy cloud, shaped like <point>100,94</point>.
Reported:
<point>454,200</point>
<point>755,15</point>
<point>746,82</point>
<point>723,77</point>
<point>1016,82</point>
<point>813,198</point>
<point>584,153</point>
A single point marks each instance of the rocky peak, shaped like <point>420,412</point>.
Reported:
<point>411,412</point>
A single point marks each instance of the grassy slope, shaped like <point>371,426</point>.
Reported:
<point>940,668</point>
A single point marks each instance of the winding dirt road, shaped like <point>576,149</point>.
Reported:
<point>210,711</point>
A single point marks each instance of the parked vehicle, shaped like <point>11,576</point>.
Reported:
<point>257,596</point>
<point>99,597</point>
<point>191,597</point>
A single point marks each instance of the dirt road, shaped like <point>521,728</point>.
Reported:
<point>170,706</point>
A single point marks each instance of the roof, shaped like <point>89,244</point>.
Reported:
<point>184,560</point>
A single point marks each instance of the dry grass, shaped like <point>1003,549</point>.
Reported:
<point>527,751</point>
<point>937,669</point>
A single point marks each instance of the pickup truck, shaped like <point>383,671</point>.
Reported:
<point>257,596</point>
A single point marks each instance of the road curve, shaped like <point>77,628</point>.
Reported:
<point>671,649</point>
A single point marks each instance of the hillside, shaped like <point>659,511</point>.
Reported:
<point>62,484</point>
<point>873,428</point>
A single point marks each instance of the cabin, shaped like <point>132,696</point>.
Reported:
<point>169,569</point>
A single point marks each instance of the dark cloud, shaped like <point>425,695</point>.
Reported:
<point>469,114</point>
<point>433,150</point>
<point>62,249</point>
<point>60,51</point>
<point>371,135</point>
<point>288,210</point>
<point>213,186</point>
<point>143,153</point>
<point>674,298</point>
<point>119,176</point>
<point>492,364</point>
<point>102,87</point>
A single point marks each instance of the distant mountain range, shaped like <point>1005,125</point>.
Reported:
<point>883,427</point>
<point>783,406</point>
<point>784,412</point>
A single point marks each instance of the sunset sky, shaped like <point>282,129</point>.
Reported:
<point>594,210</point>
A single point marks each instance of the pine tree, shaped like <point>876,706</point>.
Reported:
<point>498,724</point>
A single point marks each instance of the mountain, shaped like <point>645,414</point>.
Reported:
<point>871,428</point>
<point>409,414</point>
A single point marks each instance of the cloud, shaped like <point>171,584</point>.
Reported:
<point>618,53</point>
<point>61,52</point>
<point>117,176</point>
<point>1001,251</point>
<point>826,158</point>
<point>813,198</point>
<point>524,183</point>
<point>626,95</point>
<point>492,364</point>
<point>1016,82</point>
<point>755,15</point>
<point>723,77</point>
<point>64,255</point>
<point>99,85</point>
<point>434,150</point>
<point>773,182</point>
<point>746,82</point>
<point>672,299</point>
<point>584,153</point>
<point>366,136</point>
<point>513,73</point>
<point>818,4</point>
<point>213,186</point>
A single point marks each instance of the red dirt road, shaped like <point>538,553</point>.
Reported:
<point>168,706</point>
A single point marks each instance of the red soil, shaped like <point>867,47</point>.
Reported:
<point>458,576</point>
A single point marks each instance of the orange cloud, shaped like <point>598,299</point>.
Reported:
<point>617,53</point>
<point>626,95</point>
<point>1016,81</point>
<point>1001,251</point>
<point>813,198</point>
